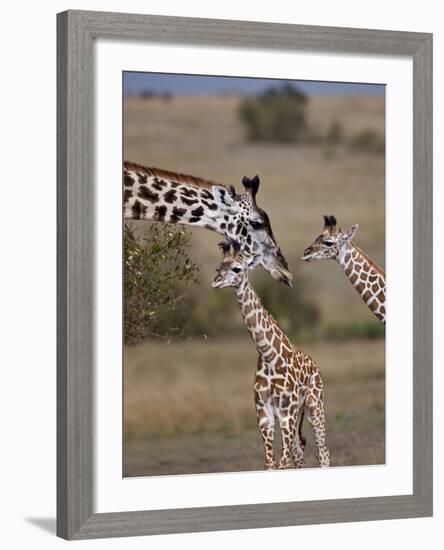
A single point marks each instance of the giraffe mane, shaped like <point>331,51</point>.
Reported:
<point>369,260</point>
<point>176,176</point>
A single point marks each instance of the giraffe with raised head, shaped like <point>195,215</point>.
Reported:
<point>364,274</point>
<point>287,383</point>
<point>159,195</point>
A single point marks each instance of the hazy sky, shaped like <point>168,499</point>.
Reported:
<point>134,83</point>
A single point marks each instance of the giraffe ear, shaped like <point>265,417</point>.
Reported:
<point>329,224</point>
<point>236,247</point>
<point>350,233</point>
<point>225,248</point>
<point>222,197</point>
<point>251,185</point>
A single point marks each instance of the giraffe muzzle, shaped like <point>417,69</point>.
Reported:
<point>283,275</point>
<point>217,283</point>
<point>308,255</point>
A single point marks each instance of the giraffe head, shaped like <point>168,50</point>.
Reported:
<point>233,269</point>
<point>330,242</point>
<point>249,225</point>
<point>170,197</point>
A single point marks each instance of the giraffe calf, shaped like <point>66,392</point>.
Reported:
<point>288,384</point>
<point>364,274</point>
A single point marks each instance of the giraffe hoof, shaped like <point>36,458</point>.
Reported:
<point>271,466</point>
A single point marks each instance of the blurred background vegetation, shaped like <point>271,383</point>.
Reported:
<point>281,115</point>
<point>277,114</point>
<point>159,301</point>
<point>188,379</point>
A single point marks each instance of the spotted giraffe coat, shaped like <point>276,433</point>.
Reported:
<point>366,276</point>
<point>287,383</point>
<point>169,197</point>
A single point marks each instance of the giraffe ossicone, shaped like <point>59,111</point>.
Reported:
<point>288,383</point>
<point>364,274</point>
<point>169,197</point>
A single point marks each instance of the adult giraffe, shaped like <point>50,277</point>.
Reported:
<point>159,195</point>
<point>364,274</point>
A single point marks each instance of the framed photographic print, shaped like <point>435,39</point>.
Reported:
<point>215,371</point>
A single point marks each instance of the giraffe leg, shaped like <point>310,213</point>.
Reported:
<point>290,437</point>
<point>266,421</point>
<point>316,417</point>
<point>301,437</point>
<point>299,443</point>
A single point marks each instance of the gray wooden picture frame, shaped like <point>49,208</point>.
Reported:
<point>76,33</point>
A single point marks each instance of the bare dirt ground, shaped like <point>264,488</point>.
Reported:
<point>237,453</point>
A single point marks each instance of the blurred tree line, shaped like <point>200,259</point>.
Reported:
<point>281,115</point>
<point>276,115</point>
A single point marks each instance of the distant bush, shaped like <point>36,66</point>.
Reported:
<point>368,141</point>
<point>147,94</point>
<point>156,267</point>
<point>276,115</point>
<point>167,96</point>
<point>151,94</point>
<point>370,330</point>
<point>334,134</point>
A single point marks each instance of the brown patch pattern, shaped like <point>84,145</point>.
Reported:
<point>287,385</point>
<point>170,197</point>
<point>367,278</point>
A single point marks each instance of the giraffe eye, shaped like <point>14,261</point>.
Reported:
<point>257,225</point>
<point>328,243</point>
<point>236,269</point>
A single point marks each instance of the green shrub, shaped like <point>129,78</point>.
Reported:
<point>275,115</point>
<point>368,141</point>
<point>156,268</point>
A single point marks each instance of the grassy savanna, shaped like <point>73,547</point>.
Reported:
<point>189,404</point>
<point>203,136</point>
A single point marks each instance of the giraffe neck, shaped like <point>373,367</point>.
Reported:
<point>366,276</point>
<point>156,195</point>
<point>266,334</point>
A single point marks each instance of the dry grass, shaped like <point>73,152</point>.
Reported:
<point>190,395</point>
<point>188,387</point>
<point>189,405</point>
